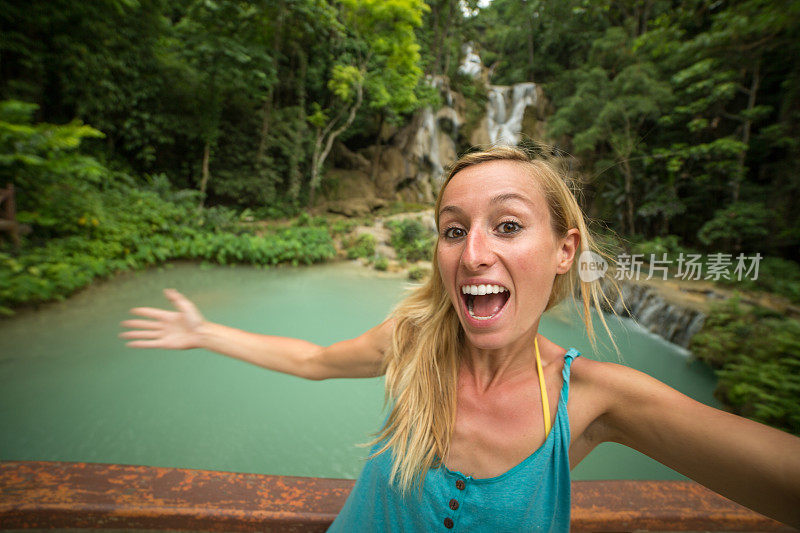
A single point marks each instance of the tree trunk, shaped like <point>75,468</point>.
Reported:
<point>205,173</point>
<point>327,136</point>
<point>530,48</point>
<point>437,37</point>
<point>295,176</point>
<point>746,127</point>
<point>376,160</point>
<point>626,169</point>
<point>266,112</point>
<point>447,33</point>
<point>266,109</point>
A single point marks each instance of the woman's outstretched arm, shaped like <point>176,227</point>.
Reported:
<point>750,463</point>
<point>185,328</point>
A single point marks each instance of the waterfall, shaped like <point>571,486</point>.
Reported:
<point>669,321</point>
<point>506,109</point>
<point>426,143</point>
<point>471,66</point>
<point>434,144</point>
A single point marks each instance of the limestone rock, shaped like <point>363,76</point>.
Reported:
<point>355,207</point>
<point>480,135</point>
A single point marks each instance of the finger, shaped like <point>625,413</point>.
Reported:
<point>141,334</point>
<point>144,344</point>
<point>152,312</point>
<point>141,324</point>
<point>181,302</point>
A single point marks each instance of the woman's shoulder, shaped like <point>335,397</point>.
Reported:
<point>605,382</point>
<point>591,371</point>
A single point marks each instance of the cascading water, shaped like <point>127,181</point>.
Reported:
<point>672,322</point>
<point>434,144</point>
<point>426,143</point>
<point>471,65</point>
<point>505,111</point>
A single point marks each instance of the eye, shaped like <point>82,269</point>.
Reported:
<point>454,232</point>
<point>509,227</point>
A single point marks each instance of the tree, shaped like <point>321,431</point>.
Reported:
<point>609,110</point>
<point>727,69</point>
<point>221,42</point>
<point>382,57</point>
<point>56,184</point>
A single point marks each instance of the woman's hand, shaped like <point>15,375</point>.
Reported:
<point>171,330</point>
<point>186,328</point>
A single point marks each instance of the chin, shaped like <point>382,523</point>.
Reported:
<point>485,340</point>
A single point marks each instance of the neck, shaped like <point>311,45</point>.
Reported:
<point>490,368</point>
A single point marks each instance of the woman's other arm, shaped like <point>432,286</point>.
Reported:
<point>186,328</point>
<point>750,463</point>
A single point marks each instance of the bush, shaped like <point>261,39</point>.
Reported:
<point>743,223</point>
<point>757,379</point>
<point>275,211</point>
<point>381,263</point>
<point>411,240</point>
<point>667,244</point>
<point>304,219</point>
<point>342,226</point>
<point>417,273</point>
<point>363,246</point>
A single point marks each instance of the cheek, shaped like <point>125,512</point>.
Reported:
<point>447,257</point>
<point>537,261</point>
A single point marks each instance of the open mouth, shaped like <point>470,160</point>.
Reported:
<point>484,302</point>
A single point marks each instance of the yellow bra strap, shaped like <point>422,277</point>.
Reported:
<point>543,389</point>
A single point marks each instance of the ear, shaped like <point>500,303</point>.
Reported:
<point>568,247</point>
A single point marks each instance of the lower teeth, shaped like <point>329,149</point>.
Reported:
<point>476,317</point>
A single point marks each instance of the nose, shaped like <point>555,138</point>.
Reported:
<point>477,253</point>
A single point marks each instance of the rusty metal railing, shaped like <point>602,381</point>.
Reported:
<point>41,494</point>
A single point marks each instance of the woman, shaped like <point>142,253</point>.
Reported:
<point>475,389</point>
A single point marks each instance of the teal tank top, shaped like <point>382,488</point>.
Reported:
<point>532,496</point>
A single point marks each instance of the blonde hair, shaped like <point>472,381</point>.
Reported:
<point>421,367</point>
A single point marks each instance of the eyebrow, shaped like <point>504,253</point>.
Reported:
<point>498,199</point>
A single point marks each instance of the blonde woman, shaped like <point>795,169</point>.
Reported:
<point>488,416</point>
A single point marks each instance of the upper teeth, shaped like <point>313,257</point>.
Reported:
<point>480,290</point>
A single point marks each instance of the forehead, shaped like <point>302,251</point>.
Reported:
<point>482,182</point>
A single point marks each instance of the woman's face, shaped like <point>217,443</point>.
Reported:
<point>496,240</point>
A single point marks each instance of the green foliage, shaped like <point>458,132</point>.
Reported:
<point>70,263</point>
<point>417,273</point>
<point>344,79</point>
<point>411,240</point>
<point>343,225</point>
<point>362,246</point>
<point>742,223</point>
<point>90,222</point>
<point>304,219</point>
<point>57,187</point>
<point>658,246</point>
<point>676,110</point>
<point>272,212</point>
<point>757,379</point>
<point>776,275</point>
<point>381,263</point>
